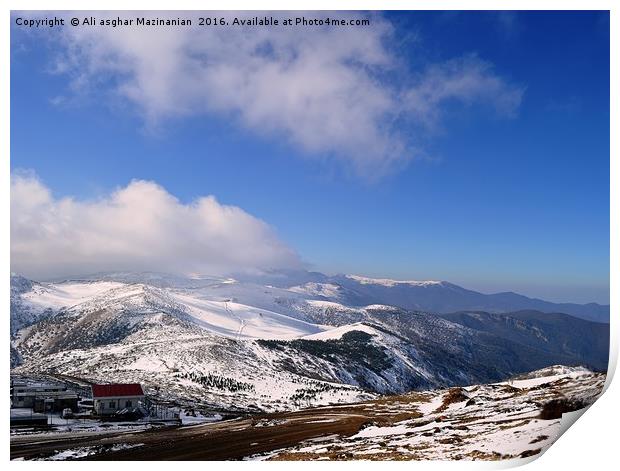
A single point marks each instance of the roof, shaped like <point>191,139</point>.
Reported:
<point>117,390</point>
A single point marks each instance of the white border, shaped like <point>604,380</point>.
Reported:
<point>591,444</point>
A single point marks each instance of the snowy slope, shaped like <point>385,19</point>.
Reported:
<point>508,420</point>
<point>31,301</point>
<point>238,320</point>
<point>192,366</point>
<point>213,307</point>
<point>67,294</point>
<point>337,332</point>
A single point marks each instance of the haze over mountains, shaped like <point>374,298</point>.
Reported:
<point>277,343</point>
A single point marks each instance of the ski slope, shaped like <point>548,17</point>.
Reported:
<point>239,321</point>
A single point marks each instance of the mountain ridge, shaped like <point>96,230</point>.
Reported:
<point>428,295</point>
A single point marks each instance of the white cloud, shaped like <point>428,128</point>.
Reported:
<point>135,228</point>
<point>330,91</point>
<point>465,80</point>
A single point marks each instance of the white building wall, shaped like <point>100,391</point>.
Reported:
<point>109,405</point>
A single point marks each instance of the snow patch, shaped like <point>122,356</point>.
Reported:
<point>338,332</point>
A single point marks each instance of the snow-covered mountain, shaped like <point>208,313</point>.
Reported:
<point>444,297</point>
<point>241,344</point>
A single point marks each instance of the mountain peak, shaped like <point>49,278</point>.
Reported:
<point>391,283</point>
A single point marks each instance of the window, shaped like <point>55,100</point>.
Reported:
<point>112,404</point>
<point>127,403</point>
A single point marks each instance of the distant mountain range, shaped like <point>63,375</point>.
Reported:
<point>431,296</point>
<point>282,341</point>
<point>444,297</point>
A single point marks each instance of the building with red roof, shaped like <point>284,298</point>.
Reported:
<point>110,399</point>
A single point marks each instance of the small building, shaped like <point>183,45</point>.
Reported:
<point>43,397</point>
<point>56,403</point>
<point>114,399</point>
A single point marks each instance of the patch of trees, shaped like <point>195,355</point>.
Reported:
<point>354,346</point>
<point>218,382</point>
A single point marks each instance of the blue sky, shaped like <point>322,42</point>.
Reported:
<point>497,186</point>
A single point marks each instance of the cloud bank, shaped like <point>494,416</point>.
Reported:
<point>140,227</point>
<point>337,93</point>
